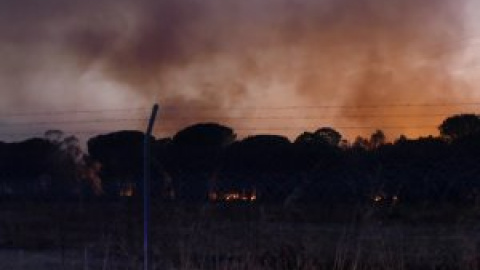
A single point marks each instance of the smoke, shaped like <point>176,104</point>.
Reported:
<point>206,57</point>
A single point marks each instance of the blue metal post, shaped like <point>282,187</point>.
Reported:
<point>147,245</point>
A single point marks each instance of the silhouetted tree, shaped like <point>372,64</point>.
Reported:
<point>25,167</point>
<point>4,185</point>
<point>306,138</point>
<point>205,134</point>
<point>328,135</point>
<point>319,158</point>
<point>316,168</point>
<point>317,148</point>
<point>460,126</point>
<point>377,139</point>
<point>261,162</point>
<point>325,135</point>
<point>195,157</point>
<point>361,143</point>
<point>121,157</point>
<point>65,163</point>
<point>401,139</point>
<point>72,173</point>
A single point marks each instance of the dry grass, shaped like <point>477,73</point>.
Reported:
<point>108,236</point>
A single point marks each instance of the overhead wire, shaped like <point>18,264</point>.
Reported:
<point>168,117</point>
<point>213,108</point>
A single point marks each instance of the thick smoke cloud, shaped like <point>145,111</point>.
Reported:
<point>218,54</point>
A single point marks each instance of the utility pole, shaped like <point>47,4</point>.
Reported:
<point>147,245</point>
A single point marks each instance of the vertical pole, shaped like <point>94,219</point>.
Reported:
<point>146,191</point>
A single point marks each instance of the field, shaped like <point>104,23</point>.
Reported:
<point>108,235</point>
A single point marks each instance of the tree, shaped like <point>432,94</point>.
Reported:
<point>24,164</point>
<point>401,139</point>
<point>261,163</point>
<point>121,157</point>
<point>460,126</point>
<point>53,166</point>
<point>360,143</point>
<point>265,153</point>
<point>205,134</point>
<point>322,136</point>
<point>328,135</point>
<point>195,158</point>
<point>72,174</point>
<point>306,138</point>
<point>317,148</point>
<point>377,139</point>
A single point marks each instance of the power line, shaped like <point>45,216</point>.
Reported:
<point>67,112</point>
<point>66,132</point>
<point>325,106</point>
<point>224,118</point>
<point>175,128</point>
<point>318,117</point>
<point>213,108</point>
<point>67,122</point>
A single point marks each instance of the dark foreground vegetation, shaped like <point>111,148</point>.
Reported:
<point>262,202</point>
<point>108,235</point>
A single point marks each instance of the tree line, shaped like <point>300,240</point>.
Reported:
<point>207,159</point>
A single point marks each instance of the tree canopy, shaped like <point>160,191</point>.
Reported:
<point>207,157</point>
<point>460,126</point>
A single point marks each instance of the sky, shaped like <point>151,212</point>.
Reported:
<point>259,66</point>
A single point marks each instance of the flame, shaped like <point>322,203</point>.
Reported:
<point>233,196</point>
<point>127,190</point>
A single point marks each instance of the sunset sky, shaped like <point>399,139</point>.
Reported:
<point>259,66</point>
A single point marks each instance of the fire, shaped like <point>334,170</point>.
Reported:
<point>233,196</point>
<point>382,198</point>
<point>127,190</point>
